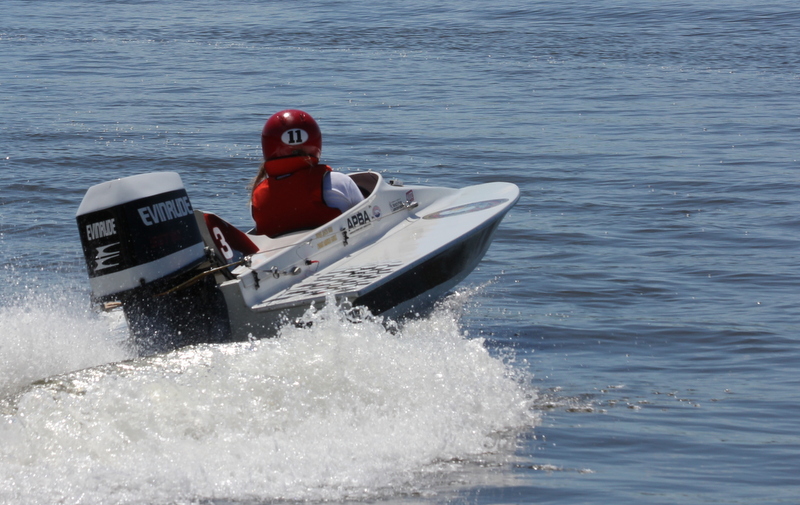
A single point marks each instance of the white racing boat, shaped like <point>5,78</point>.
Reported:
<point>183,276</point>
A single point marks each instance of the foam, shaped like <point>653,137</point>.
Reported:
<point>44,334</point>
<point>338,410</point>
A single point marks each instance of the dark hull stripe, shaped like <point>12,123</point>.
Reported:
<point>456,260</point>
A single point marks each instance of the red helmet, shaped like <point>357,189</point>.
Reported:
<point>290,140</point>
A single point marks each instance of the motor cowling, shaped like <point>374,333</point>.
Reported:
<point>141,241</point>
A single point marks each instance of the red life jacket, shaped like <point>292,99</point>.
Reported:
<point>291,203</point>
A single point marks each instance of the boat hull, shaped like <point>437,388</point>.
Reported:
<point>404,268</point>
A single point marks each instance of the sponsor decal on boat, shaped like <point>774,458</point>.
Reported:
<point>328,241</point>
<point>324,232</point>
<point>358,220</point>
<point>165,211</point>
<point>104,256</point>
<point>101,229</point>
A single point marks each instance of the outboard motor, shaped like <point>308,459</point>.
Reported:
<point>143,247</point>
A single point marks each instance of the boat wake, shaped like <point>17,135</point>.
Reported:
<point>49,333</point>
<point>333,409</point>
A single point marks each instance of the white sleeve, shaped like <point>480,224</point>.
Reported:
<point>339,191</point>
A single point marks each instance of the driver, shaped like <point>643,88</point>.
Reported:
<point>292,191</point>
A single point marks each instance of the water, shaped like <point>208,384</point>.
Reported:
<point>630,337</point>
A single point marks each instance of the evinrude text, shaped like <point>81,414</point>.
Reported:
<point>101,229</point>
<point>165,211</point>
